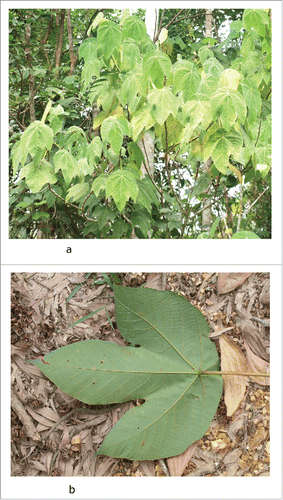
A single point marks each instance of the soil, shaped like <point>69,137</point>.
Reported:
<point>52,434</point>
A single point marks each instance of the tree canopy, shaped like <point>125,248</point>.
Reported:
<point>87,89</point>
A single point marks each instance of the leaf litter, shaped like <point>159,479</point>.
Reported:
<point>34,334</point>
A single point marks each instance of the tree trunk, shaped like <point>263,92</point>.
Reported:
<point>31,77</point>
<point>73,57</point>
<point>60,40</point>
<point>206,213</point>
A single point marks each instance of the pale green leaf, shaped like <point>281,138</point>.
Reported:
<point>252,98</point>
<point>245,235</point>
<point>230,78</point>
<point>141,121</point>
<point>122,185</point>
<point>130,55</point>
<point>163,102</point>
<point>228,105</point>
<point>163,35</point>
<point>38,175</point>
<point>88,49</point>
<point>109,37</point>
<point>257,19</point>
<point>90,70</point>
<point>165,370</point>
<point>213,67</point>
<point>37,137</point>
<point>113,130</point>
<point>186,78</point>
<point>134,28</point>
<point>99,184</point>
<point>84,168</point>
<point>78,191</point>
<point>156,65</point>
<point>64,161</point>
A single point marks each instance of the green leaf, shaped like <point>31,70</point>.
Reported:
<point>214,227</point>
<point>37,137</point>
<point>256,19</point>
<point>245,235</point>
<point>99,184</point>
<point>135,153</point>
<point>134,28</point>
<point>119,228</point>
<point>109,37</point>
<point>40,216</point>
<point>130,55</point>
<point>88,49</point>
<point>78,191</point>
<point>113,130</point>
<point>141,121</point>
<point>103,215</point>
<point>252,98</point>
<point>156,65</point>
<point>186,78</point>
<point>94,150</point>
<point>38,175</point>
<point>132,86</point>
<point>228,105</point>
<point>90,69</point>
<point>219,146</point>
<point>213,67</point>
<point>166,371</point>
<point>147,193</point>
<point>84,168</point>
<point>141,220</point>
<point>67,163</point>
<point>197,111</point>
<point>201,184</point>
<point>122,185</point>
<point>163,102</point>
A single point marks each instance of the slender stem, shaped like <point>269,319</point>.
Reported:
<point>242,374</point>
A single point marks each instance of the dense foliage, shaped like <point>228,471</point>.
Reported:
<point>89,88</point>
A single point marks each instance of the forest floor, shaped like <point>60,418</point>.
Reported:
<point>53,434</point>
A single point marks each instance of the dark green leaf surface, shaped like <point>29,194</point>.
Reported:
<point>165,370</point>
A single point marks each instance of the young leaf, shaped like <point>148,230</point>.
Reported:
<point>165,370</point>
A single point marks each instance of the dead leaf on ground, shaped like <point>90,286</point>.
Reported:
<point>232,360</point>
<point>257,365</point>
<point>229,281</point>
<point>177,465</point>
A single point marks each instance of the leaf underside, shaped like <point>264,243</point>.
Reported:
<point>164,370</point>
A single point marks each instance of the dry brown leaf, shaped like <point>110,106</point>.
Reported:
<point>258,365</point>
<point>147,467</point>
<point>177,465</point>
<point>232,360</point>
<point>229,281</point>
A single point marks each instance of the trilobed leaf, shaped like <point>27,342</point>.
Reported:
<point>165,371</point>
